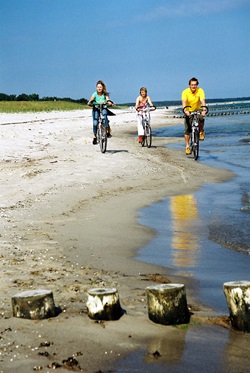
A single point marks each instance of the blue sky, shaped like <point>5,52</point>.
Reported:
<point>62,47</point>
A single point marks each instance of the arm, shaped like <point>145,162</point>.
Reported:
<point>137,102</point>
<point>92,98</point>
<point>108,99</point>
<point>203,103</point>
<point>150,102</point>
<point>184,103</point>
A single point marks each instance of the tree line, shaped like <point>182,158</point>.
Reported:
<point>35,97</point>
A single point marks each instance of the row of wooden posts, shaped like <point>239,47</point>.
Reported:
<point>212,114</point>
<point>167,304</point>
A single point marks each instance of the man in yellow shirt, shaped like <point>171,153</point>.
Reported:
<point>195,98</point>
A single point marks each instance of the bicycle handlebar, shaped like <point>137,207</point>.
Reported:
<point>148,108</point>
<point>196,111</point>
<point>103,104</point>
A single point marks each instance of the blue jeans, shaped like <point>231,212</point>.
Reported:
<point>96,115</point>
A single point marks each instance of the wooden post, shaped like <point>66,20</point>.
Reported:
<point>103,304</point>
<point>33,304</point>
<point>237,294</point>
<point>167,304</point>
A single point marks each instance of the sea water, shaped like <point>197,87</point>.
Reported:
<point>206,235</point>
<point>203,236</point>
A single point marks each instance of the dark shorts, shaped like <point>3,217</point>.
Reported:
<point>187,125</point>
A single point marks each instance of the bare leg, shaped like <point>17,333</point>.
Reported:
<point>187,137</point>
<point>201,127</point>
<point>188,150</point>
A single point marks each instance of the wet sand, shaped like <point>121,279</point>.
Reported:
<point>69,223</point>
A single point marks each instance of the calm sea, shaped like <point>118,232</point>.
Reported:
<point>203,236</point>
<point>206,235</point>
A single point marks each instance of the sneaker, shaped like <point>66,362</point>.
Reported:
<point>140,138</point>
<point>202,136</point>
<point>109,135</point>
<point>94,141</point>
<point>188,151</point>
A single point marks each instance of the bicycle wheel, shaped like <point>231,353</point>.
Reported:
<point>103,138</point>
<point>144,136</point>
<point>196,145</point>
<point>148,135</point>
<point>98,134</point>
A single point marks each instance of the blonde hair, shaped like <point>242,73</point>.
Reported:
<point>144,89</point>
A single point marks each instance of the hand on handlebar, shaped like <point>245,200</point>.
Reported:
<point>186,112</point>
<point>143,108</point>
<point>203,112</point>
<point>110,103</point>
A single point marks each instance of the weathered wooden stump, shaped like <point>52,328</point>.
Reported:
<point>167,304</point>
<point>237,294</point>
<point>103,304</point>
<point>33,304</point>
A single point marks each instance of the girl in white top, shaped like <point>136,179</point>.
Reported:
<point>142,102</point>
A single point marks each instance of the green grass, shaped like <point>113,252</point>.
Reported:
<point>36,106</point>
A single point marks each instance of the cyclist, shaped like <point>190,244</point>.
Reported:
<point>142,101</point>
<point>194,97</point>
<point>100,96</point>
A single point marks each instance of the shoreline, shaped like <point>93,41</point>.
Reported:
<point>69,218</point>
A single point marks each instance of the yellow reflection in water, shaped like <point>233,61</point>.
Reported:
<point>185,219</point>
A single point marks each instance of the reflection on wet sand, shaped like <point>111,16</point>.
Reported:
<point>185,241</point>
<point>167,349</point>
<point>238,350</point>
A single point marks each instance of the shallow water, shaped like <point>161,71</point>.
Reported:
<point>201,349</point>
<point>205,235</point>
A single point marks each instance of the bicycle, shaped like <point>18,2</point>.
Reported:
<point>194,140</point>
<point>147,137</point>
<point>102,137</point>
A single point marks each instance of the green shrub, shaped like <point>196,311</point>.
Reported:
<point>38,106</point>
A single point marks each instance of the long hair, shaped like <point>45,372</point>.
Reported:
<point>103,86</point>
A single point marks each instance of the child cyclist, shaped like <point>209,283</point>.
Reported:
<point>142,102</point>
<point>100,96</point>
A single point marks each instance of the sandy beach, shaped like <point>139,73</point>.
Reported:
<point>69,224</point>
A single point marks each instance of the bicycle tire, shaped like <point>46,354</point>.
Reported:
<point>98,135</point>
<point>143,137</point>
<point>148,135</point>
<point>196,145</point>
<point>102,137</point>
<point>103,145</point>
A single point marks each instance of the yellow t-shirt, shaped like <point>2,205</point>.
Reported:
<point>193,99</point>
